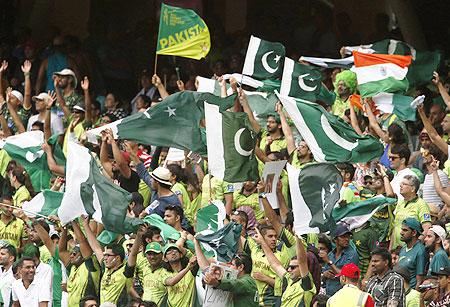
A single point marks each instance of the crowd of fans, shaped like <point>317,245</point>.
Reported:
<point>400,257</point>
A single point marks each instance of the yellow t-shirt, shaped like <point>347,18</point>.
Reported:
<point>182,293</point>
<point>115,285</point>
<point>22,194</point>
<point>83,280</point>
<point>153,284</point>
<point>78,131</point>
<point>218,189</point>
<point>252,201</point>
<point>13,232</point>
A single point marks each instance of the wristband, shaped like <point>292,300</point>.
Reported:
<point>26,74</point>
<point>263,195</point>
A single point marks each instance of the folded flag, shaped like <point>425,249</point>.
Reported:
<point>264,59</point>
<point>358,213</point>
<point>378,73</point>
<point>329,137</point>
<point>183,33</point>
<point>316,191</point>
<point>329,63</point>
<point>45,203</point>
<point>26,149</point>
<point>223,243</point>
<point>300,81</point>
<point>174,122</point>
<point>205,85</point>
<point>88,191</point>
<point>231,143</point>
<point>210,218</point>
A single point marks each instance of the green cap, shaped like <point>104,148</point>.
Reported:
<point>414,224</point>
<point>153,247</point>
<point>169,246</point>
<point>174,236</point>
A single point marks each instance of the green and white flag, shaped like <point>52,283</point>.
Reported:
<point>262,105</point>
<point>386,46</point>
<point>398,104</point>
<point>174,122</point>
<point>329,137</point>
<point>264,60</point>
<point>88,191</point>
<point>329,63</point>
<point>45,203</point>
<point>356,214</point>
<point>300,81</point>
<point>315,189</point>
<point>231,143</point>
<point>210,218</point>
<point>26,149</point>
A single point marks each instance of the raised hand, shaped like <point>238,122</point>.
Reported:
<point>85,84</point>
<point>279,107</point>
<point>4,66</point>
<point>436,79</point>
<point>156,80</point>
<point>51,100</point>
<point>180,85</point>
<point>8,94</point>
<point>26,67</point>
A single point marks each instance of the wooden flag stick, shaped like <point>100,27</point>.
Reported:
<point>14,207</point>
<point>156,63</point>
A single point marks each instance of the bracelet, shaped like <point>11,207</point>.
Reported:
<point>26,74</point>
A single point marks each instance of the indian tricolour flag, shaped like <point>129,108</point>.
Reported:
<point>89,192</point>
<point>231,142</point>
<point>378,73</point>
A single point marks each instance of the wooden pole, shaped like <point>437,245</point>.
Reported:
<point>156,63</point>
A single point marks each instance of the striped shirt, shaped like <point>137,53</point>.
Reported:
<point>386,288</point>
<point>429,191</point>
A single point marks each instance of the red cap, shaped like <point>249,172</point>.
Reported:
<point>350,270</point>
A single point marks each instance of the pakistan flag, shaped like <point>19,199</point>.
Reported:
<point>300,80</point>
<point>231,142</point>
<point>264,60</point>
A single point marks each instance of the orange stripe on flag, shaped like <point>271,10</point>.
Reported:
<point>355,101</point>
<point>363,59</point>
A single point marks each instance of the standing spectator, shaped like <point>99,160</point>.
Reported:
<point>344,86</point>
<point>412,296</point>
<point>65,84</point>
<point>41,101</point>
<point>113,106</point>
<point>399,157</point>
<point>434,242</point>
<point>341,255</point>
<point>386,286</point>
<point>350,295</point>
<point>28,290</point>
<point>146,89</point>
<point>12,229</point>
<point>412,255</point>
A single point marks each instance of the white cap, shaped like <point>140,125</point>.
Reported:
<point>67,72</point>
<point>42,96</point>
<point>18,95</point>
<point>439,231</point>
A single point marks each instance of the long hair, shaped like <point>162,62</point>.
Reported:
<point>23,178</point>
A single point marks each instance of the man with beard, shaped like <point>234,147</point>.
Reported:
<point>181,280</point>
<point>117,165</point>
<point>344,86</point>
<point>386,286</point>
<point>434,241</point>
<point>8,254</point>
<point>65,83</point>
<point>12,229</point>
<point>28,290</point>
<point>341,255</point>
<point>272,139</point>
<point>83,267</point>
<point>248,196</point>
<point>412,255</point>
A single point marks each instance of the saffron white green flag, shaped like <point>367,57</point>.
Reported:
<point>329,137</point>
<point>315,189</point>
<point>264,59</point>
<point>300,81</point>
<point>88,191</point>
<point>231,142</point>
<point>26,149</point>
<point>45,203</point>
<point>356,214</point>
<point>380,73</point>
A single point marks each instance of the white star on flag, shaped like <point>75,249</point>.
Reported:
<point>170,111</point>
<point>277,58</point>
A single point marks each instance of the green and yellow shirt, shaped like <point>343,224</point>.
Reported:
<point>83,280</point>
<point>12,232</point>
<point>22,194</point>
<point>252,201</point>
<point>153,284</point>
<point>297,292</point>
<point>182,293</point>
<point>218,189</point>
<point>115,285</point>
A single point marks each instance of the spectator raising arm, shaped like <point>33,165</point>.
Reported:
<point>158,84</point>
<point>87,100</point>
<point>48,115</point>
<point>171,281</point>
<point>92,240</point>
<point>287,131</point>
<point>271,258</point>
<point>432,133</point>
<point>244,102</point>
<point>374,124</point>
<point>26,68</point>
<point>60,99</point>
<point>13,112</point>
<point>441,88</point>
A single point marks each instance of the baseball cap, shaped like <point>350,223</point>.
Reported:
<point>153,247</point>
<point>413,224</point>
<point>170,246</point>
<point>340,230</point>
<point>67,72</point>
<point>79,107</point>
<point>439,231</point>
<point>18,95</point>
<point>442,271</point>
<point>42,96</point>
<point>350,270</point>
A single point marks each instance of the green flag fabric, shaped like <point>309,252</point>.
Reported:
<point>398,104</point>
<point>46,203</point>
<point>328,137</point>
<point>182,33</point>
<point>356,214</point>
<point>262,105</point>
<point>224,242</point>
<point>88,191</point>
<point>174,122</point>
<point>210,218</point>
<point>315,189</point>
<point>264,60</point>
<point>26,149</point>
<point>300,81</point>
<point>231,143</point>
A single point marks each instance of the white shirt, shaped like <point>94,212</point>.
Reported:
<point>32,296</point>
<point>6,280</point>
<point>56,124</point>
<point>429,191</point>
<point>395,183</point>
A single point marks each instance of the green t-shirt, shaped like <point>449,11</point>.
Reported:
<point>268,294</point>
<point>115,285</point>
<point>55,264</point>
<point>83,280</point>
<point>245,293</point>
<point>439,260</point>
<point>414,260</point>
<point>299,292</point>
<point>218,189</point>
<point>182,293</point>
<point>365,239</point>
<point>13,232</point>
<point>153,284</point>
<point>416,208</point>
<point>23,114</point>
<point>252,201</point>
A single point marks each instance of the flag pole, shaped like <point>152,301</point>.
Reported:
<point>14,207</point>
<point>156,63</point>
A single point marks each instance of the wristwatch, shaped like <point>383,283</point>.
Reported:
<point>263,195</point>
